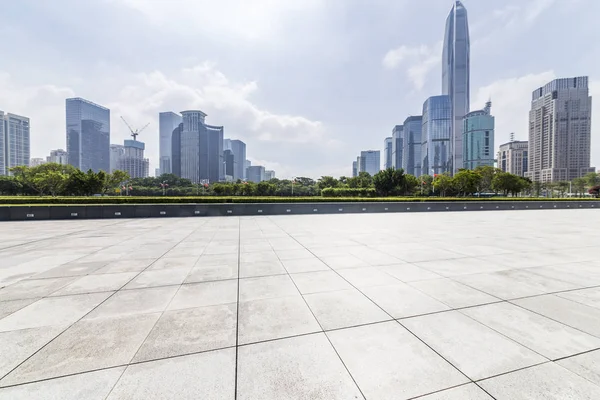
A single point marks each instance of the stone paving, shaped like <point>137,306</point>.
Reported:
<point>442,306</point>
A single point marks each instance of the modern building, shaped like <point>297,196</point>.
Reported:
<point>132,161</point>
<point>456,76</point>
<point>36,162</point>
<point>58,156</point>
<point>478,138</point>
<point>167,123</point>
<point>201,149</point>
<point>436,135</point>
<point>116,153</point>
<point>387,153</point>
<point>255,173</point>
<point>370,161</point>
<point>176,151</point>
<point>269,174</point>
<point>14,142</point>
<point>88,135</point>
<point>238,148</point>
<point>560,131</point>
<point>354,169</point>
<point>229,161</point>
<point>397,146</point>
<point>411,150</point>
<point>156,171</point>
<point>513,157</point>
<point>247,164</point>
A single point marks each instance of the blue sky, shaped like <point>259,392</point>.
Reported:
<point>306,84</point>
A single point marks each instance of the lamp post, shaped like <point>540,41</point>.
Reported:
<point>293,181</point>
<point>164,186</point>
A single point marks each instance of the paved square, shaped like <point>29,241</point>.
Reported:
<point>440,306</point>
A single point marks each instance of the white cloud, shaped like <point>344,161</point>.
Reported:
<point>419,61</point>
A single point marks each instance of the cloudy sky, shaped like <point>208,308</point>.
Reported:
<point>306,84</point>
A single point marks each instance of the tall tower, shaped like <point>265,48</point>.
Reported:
<point>88,135</point>
<point>456,76</point>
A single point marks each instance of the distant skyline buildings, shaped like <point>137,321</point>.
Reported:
<point>88,135</point>
<point>255,173</point>
<point>478,138</point>
<point>397,143</point>
<point>387,153</point>
<point>15,141</point>
<point>513,157</point>
<point>560,131</point>
<point>58,156</point>
<point>436,135</point>
<point>456,76</point>
<point>201,149</point>
<point>167,123</point>
<point>411,149</point>
<point>370,161</point>
<point>132,160</point>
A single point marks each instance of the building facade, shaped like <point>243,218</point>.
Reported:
<point>397,146</point>
<point>229,161</point>
<point>456,76</point>
<point>513,157</point>
<point>116,153</point>
<point>411,151</point>
<point>269,174</point>
<point>201,149</point>
<point>255,173</point>
<point>132,160</point>
<point>36,162</point>
<point>238,148</point>
<point>58,156</point>
<point>478,138</point>
<point>14,142</point>
<point>370,161</point>
<point>436,136</point>
<point>176,151</point>
<point>560,131</point>
<point>387,153</point>
<point>354,169</point>
<point>167,122</point>
<point>88,135</point>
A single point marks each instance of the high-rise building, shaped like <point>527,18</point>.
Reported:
<point>435,135</point>
<point>397,146</point>
<point>14,142</point>
<point>411,151</point>
<point>269,174</point>
<point>387,151</point>
<point>58,156</point>
<point>238,149</point>
<point>201,149</point>
<point>560,131</point>
<point>36,162</point>
<point>116,153</point>
<point>478,138</point>
<point>167,123</point>
<point>354,169</point>
<point>247,164</point>
<point>132,160</point>
<point>228,159</point>
<point>370,161</point>
<point>513,157</point>
<point>456,76</point>
<point>176,151</point>
<point>255,173</point>
<point>88,135</point>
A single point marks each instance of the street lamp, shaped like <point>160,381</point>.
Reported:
<point>164,186</point>
<point>293,181</point>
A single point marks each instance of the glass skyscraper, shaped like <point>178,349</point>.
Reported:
<point>387,152</point>
<point>397,143</point>
<point>88,135</point>
<point>411,152</point>
<point>14,142</point>
<point>436,135</point>
<point>370,161</point>
<point>478,138</point>
<point>201,149</point>
<point>456,76</point>
<point>167,122</point>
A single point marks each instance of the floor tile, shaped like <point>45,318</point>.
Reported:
<point>408,272</point>
<point>163,277</point>
<point>204,294</point>
<point>465,392</point>
<point>586,365</point>
<point>211,273</point>
<point>131,265</point>
<point>452,293</point>
<point>261,268</point>
<point>267,287</point>
<point>344,261</point>
<point>173,262</point>
<point>135,301</point>
<point>304,265</point>
<point>72,269</point>
<point>367,277</point>
<point>96,283</point>
<point>401,300</point>
<point>11,306</point>
<point>320,281</point>
<point>28,289</point>
<point>589,297</point>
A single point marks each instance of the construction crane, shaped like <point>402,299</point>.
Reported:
<point>137,131</point>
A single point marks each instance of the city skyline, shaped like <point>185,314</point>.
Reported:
<point>281,113</point>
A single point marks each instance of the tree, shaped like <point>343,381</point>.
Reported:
<point>487,174</point>
<point>327,181</point>
<point>363,180</point>
<point>411,183</point>
<point>579,185</point>
<point>50,181</point>
<point>562,188</point>
<point>9,186</point>
<point>592,179</point>
<point>466,181</point>
<point>265,189</point>
<point>114,180</point>
<point>442,183</point>
<point>388,181</point>
<point>426,184</point>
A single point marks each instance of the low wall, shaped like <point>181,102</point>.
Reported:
<point>54,212</point>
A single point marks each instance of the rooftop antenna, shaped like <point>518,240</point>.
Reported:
<point>512,136</point>
<point>135,133</point>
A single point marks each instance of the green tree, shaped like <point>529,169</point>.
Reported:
<point>562,187</point>
<point>426,184</point>
<point>411,185</point>
<point>579,185</point>
<point>327,181</point>
<point>9,186</point>
<point>50,181</point>
<point>466,182</point>
<point>363,180</point>
<point>389,181</point>
<point>265,189</point>
<point>442,183</point>
<point>592,179</point>
<point>487,174</point>
<point>114,180</point>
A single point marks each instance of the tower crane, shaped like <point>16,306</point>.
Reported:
<point>134,133</point>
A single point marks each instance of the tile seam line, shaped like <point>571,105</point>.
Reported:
<point>104,301</point>
<point>237,309</point>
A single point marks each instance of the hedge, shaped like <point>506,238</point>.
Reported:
<point>31,200</point>
<point>348,192</point>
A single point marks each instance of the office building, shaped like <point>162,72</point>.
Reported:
<point>176,150</point>
<point>156,171</point>
<point>247,164</point>
<point>116,152</point>
<point>478,138</point>
<point>397,146</point>
<point>513,157</point>
<point>36,162</point>
<point>411,150</point>
<point>88,135</point>
<point>14,142</point>
<point>167,123</point>
<point>354,169</point>
<point>238,148</point>
<point>370,161</point>
<point>456,76</point>
<point>132,159</point>
<point>228,160</point>
<point>201,149</point>
<point>387,152</point>
<point>255,173</point>
<point>560,131</point>
<point>435,135</point>
<point>58,156</point>
<point>269,174</point>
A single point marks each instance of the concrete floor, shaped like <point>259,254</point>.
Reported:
<point>445,306</point>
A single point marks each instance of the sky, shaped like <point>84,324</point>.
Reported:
<point>307,84</point>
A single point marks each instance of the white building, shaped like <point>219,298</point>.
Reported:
<point>560,131</point>
<point>35,162</point>
<point>130,158</point>
<point>58,156</point>
<point>14,141</point>
<point>513,157</point>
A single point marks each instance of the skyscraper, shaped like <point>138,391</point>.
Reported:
<point>58,156</point>
<point>229,161</point>
<point>478,138</point>
<point>238,148</point>
<point>411,152</point>
<point>513,157</point>
<point>456,76</point>
<point>370,161</point>
<point>397,143</point>
<point>269,174</point>
<point>132,160</point>
<point>436,135</point>
<point>88,135</point>
<point>201,149</point>
<point>167,122</point>
<point>176,150</point>
<point>387,151</point>
<point>255,173</point>
<point>14,142</point>
<point>560,131</point>
<point>354,169</point>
